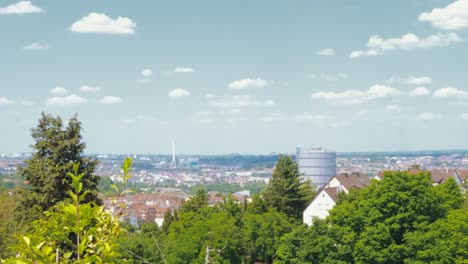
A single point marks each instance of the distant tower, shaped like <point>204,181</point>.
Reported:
<point>174,161</point>
<point>173,151</point>
<point>317,165</point>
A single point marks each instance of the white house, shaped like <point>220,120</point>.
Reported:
<point>328,195</point>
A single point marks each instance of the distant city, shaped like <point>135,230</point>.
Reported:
<point>237,168</point>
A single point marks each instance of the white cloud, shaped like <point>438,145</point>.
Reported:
<point>326,52</point>
<point>6,101</point>
<point>357,96</point>
<point>420,91</point>
<point>22,7</point>
<point>101,23</point>
<point>377,45</point>
<point>90,89</point>
<point>71,99</point>
<point>58,90</point>
<point>449,92</point>
<point>309,117</point>
<point>418,80</point>
<point>240,101</point>
<point>271,118</point>
<point>452,17</point>
<point>394,108</point>
<point>328,77</point>
<point>464,116</point>
<point>36,46</point>
<point>428,116</point>
<point>210,96</point>
<point>178,92</point>
<point>146,73</point>
<point>246,83</point>
<point>184,70</point>
<point>109,99</point>
<point>360,53</point>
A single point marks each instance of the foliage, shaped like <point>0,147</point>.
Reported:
<point>196,203</point>
<point>142,246</point>
<point>262,235</point>
<point>8,225</point>
<point>82,232</point>
<point>56,150</point>
<point>388,222</point>
<point>307,245</point>
<point>444,241</point>
<point>286,192</point>
<point>208,234</point>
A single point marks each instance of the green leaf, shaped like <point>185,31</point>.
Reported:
<point>27,240</point>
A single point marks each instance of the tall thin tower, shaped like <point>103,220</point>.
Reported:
<point>173,152</point>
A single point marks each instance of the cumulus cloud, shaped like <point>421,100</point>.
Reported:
<point>452,17</point>
<point>209,96</point>
<point>178,92</point>
<point>271,118</point>
<point>36,46</point>
<point>426,116</point>
<point>22,7</point>
<point>6,101</point>
<point>328,77</point>
<point>326,52</point>
<point>101,23</point>
<point>464,116</point>
<point>58,90</point>
<point>361,53</point>
<point>145,76</point>
<point>71,99</point>
<point>247,83</point>
<point>109,99</point>
<point>240,101</point>
<point>309,117</point>
<point>420,91</point>
<point>418,80</point>
<point>184,70</point>
<point>146,73</point>
<point>357,96</point>
<point>90,89</point>
<point>449,92</point>
<point>377,45</point>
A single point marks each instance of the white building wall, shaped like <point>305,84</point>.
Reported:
<point>318,208</point>
<point>334,182</point>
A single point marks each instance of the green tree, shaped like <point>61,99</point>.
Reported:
<point>197,202</point>
<point>56,149</point>
<point>308,245</point>
<point>444,241</point>
<point>401,219</point>
<point>286,192</point>
<point>8,225</point>
<point>262,234</point>
<point>82,232</point>
<point>143,246</point>
<point>257,206</point>
<point>207,235</point>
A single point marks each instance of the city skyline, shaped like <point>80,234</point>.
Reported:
<point>243,77</point>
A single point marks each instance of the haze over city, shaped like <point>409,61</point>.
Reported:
<point>244,77</point>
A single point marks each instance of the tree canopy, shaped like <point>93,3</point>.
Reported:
<point>286,192</point>
<point>56,149</point>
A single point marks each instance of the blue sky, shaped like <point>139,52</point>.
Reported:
<point>238,76</point>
